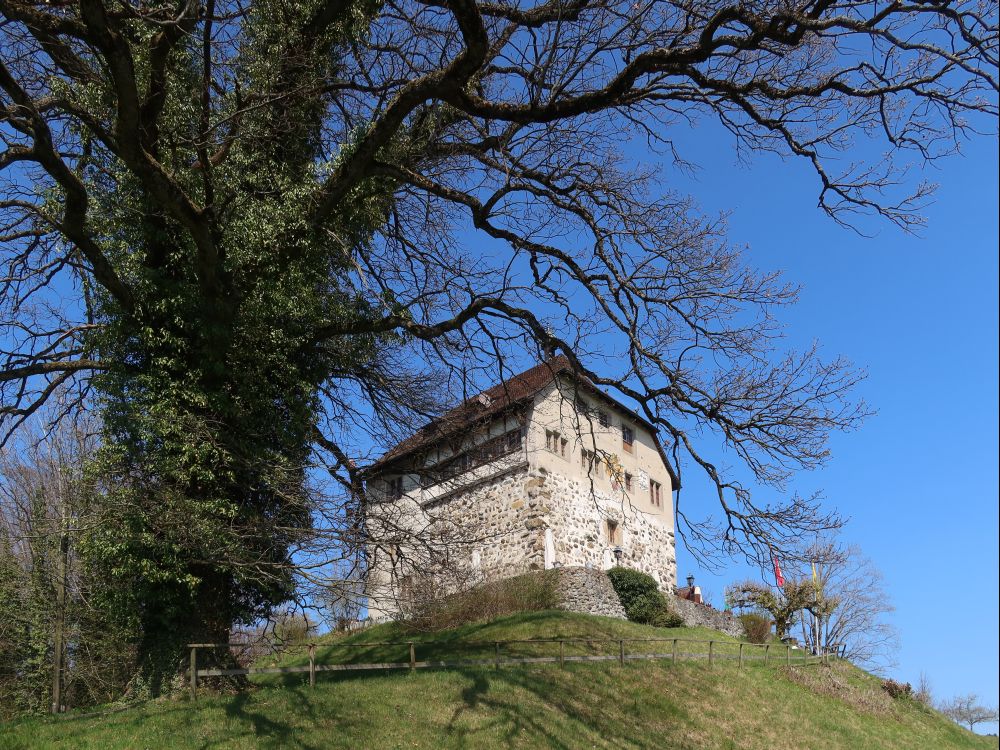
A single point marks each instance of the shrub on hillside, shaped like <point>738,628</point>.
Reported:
<point>646,607</point>
<point>631,584</point>
<point>642,599</point>
<point>756,627</point>
<point>897,689</point>
<point>527,593</point>
<point>667,618</point>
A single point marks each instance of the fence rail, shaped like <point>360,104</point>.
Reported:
<point>745,653</point>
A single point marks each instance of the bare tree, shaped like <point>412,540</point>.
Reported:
<point>967,709</point>
<point>260,228</point>
<point>852,604</point>
<point>925,691</point>
<point>783,604</point>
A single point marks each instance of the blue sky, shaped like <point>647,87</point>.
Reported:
<point>919,480</point>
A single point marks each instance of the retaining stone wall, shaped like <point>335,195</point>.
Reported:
<point>695,614</point>
<point>588,591</point>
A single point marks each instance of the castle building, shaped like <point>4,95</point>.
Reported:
<point>543,470</point>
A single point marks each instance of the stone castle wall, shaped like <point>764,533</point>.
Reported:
<point>528,519</point>
<point>578,519</point>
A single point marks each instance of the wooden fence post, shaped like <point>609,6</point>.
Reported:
<point>413,656</point>
<point>621,651</point>
<point>711,646</point>
<point>788,654</point>
<point>312,665</point>
<point>194,673</point>
<point>741,655</point>
<point>562,658</point>
<point>673,652</point>
<point>767,650</point>
<point>496,653</point>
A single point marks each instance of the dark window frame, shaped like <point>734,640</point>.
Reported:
<point>628,437</point>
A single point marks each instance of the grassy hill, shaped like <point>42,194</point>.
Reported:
<point>643,704</point>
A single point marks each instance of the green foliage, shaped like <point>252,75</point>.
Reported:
<point>211,390</point>
<point>33,561</point>
<point>646,607</point>
<point>783,606</point>
<point>646,704</point>
<point>631,584</point>
<point>642,599</point>
<point>756,627</point>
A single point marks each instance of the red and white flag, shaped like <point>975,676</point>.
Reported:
<point>778,578</point>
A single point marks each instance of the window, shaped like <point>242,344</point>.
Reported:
<point>628,482</point>
<point>591,463</point>
<point>477,455</point>
<point>556,443</point>
<point>513,439</point>
<point>603,419</point>
<point>628,437</point>
<point>394,488</point>
<point>655,496</point>
<point>612,532</point>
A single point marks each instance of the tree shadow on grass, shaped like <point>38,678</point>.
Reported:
<point>591,716</point>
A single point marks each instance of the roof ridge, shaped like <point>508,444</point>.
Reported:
<point>507,392</point>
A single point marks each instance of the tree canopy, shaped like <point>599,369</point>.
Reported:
<point>246,234</point>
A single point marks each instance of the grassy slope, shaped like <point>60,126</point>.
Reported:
<point>643,704</point>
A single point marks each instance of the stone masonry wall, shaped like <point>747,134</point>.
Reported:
<point>588,591</point>
<point>529,519</point>
<point>696,614</point>
<point>577,520</point>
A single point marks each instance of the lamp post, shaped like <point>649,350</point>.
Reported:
<point>618,554</point>
<point>690,580</point>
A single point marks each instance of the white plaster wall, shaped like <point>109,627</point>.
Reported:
<point>554,409</point>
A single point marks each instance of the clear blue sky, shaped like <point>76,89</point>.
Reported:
<point>919,480</point>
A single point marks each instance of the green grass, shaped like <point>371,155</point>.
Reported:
<point>475,641</point>
<point>602,705</point>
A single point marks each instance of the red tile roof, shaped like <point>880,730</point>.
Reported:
<point>493,401</point>
<point>489,403</point>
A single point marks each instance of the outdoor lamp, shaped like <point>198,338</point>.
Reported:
<point>690,582</point>
<point>618,554</point>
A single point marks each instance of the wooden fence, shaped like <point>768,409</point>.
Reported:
<point>500,656</point>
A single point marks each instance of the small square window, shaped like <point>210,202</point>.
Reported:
<point>628,482</point>
<point>628,438</point>
<point>394,488</point>
<point>514,440</point>
<point>556,443</point>
<point>613,534</point>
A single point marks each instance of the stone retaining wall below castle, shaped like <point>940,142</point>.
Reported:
<point>589,591</point>
<point>696,614</point>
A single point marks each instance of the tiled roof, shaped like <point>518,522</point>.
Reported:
<point>490,402</point>
<point>493,401</point>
